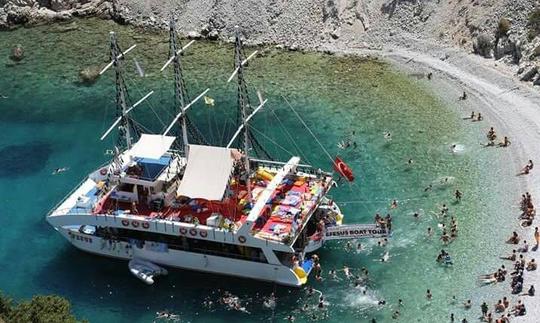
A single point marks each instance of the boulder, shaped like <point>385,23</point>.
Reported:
<point>89,75</point>
<point>537,80</point>
<point>529,73</point>
<point>193,35</point>
<point>17,53</point>
<point>483,45</point>
<point>213,35</point>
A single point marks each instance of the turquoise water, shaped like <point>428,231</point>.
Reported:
<point>51,121</point>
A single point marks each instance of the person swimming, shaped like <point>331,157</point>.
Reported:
<point>387,136</point>
<point>385,257</point>
<point>60,170</point>
<point>429,296</point>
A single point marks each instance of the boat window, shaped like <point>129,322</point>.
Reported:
<point>125,187</point>
<point>187,244</point>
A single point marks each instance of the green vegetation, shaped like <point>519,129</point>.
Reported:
<point>40,309</point>
<point>534,23</point>
<point>503,27</point>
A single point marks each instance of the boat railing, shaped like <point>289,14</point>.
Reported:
<point>302,167</point>
<point>76,187</point>
<point>67,196</point>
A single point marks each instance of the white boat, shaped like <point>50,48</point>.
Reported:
<point>145,270</point>
<point>186,204</point>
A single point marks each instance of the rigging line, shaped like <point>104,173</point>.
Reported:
<point>311,132</point>
<point>272,141</point>
<point>290,137</point>
<point>141,126</point>
<point>133,85</point>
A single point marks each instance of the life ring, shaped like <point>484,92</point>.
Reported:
<point>125,223</point>
<point>203,234</point>
<point>183,231</point>
<point>135,224</point>
<point>242,239</point>
<point>145,225</point>
<point>103,171</point>
<point>193,232</point>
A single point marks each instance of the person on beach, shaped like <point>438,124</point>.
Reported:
<point>491,136</point>
<point>537,236</point>
<point>499,307</point>
<point>514,238</point>
<point>531,291</point>
<point>512,257</point>
<point>524,248</point>
<point>505,143</point>
<point>429,76</point>
<point>463,96</point>
<point>484,308</point>
<point>472,116</point>
<point>458,195</point>
<point>531,265</point>
<point>479,117</point>
<point>527,168</point>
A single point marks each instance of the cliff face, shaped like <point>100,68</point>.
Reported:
<point>503,29</point>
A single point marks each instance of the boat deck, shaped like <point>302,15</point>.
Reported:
<point>289,207</point>
<point>286,211</point>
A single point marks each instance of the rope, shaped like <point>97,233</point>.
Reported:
<point>311,132</point>
<point>271,140</point>
<point>290,137</point>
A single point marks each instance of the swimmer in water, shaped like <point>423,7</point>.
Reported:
<point>429,296</point>
<point>347,272</point>
<point>394,204</point>
<point>385,257</point>
<point>458,195</point>
<point>387,136</point>
<point>453,148</point>
<point>428,188</point>
<point>416,215</point>
<point>429,232</point>
<point>60,170</point>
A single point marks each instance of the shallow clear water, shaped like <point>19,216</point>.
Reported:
<point>50,121</point>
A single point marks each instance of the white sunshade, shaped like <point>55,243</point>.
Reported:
<point>207,172</point>
<point>151,146</point>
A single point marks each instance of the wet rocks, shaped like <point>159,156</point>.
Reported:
<point>17,53</point>
<point>89,75</point>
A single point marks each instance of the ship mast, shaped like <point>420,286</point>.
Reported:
<point>180,93</point>
<point>124,128</point>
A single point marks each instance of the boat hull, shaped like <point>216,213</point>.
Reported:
<point>207,263</point>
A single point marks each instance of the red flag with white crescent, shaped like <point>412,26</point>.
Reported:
<point>343,169</point>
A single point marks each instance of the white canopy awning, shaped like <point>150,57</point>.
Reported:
<point>151,146</point>
<point>207,172</point>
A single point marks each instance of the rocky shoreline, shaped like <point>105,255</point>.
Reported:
<point>506,31</point>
